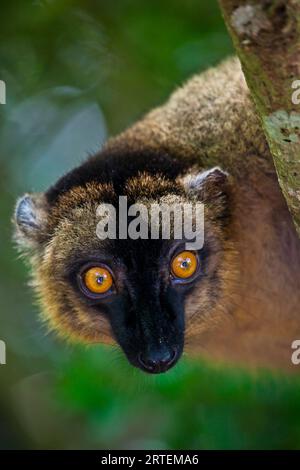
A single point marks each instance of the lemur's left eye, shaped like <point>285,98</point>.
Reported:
<point>97,280</point>
<point>184,265</point>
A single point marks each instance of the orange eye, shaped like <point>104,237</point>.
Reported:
<point>97,280</point>
<point>184,265</point>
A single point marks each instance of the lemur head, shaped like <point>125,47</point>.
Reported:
<point>145,294</point>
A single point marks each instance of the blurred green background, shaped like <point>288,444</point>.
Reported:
<point>76,72</point>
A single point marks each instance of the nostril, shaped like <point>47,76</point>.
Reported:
<point>147,363</point>
<point>158,361</point>
<point>168,359</point>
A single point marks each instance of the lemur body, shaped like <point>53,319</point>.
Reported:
<point>243,306</point>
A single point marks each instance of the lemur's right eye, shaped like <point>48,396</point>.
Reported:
<point>97,280</point>
<point>184,265</point>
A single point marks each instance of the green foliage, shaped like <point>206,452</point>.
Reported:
<point>194,406</point>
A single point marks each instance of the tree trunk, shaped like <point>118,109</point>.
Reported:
<point>266,35</point>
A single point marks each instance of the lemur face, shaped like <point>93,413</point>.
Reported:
<point>141,293</point>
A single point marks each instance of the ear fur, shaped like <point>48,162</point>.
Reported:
<point>30,220</point>
<point>212,187</point>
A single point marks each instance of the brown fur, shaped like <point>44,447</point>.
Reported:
<point>210,121</point>
<point>213,116</point>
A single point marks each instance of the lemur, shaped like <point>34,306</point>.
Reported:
<point>236,300</point>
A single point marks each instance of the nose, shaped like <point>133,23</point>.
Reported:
<point>159,361</point>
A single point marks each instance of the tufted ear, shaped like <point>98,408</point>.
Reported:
<point>212,187</point>
<point>30,220</point>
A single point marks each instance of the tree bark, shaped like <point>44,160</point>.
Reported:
<point>266,36</point>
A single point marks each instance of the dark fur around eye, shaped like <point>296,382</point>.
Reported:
<point>73,275</point>
<point>77,266</point>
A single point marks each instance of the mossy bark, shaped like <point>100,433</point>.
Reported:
<point>266,35</point>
